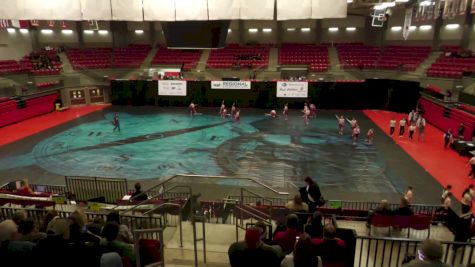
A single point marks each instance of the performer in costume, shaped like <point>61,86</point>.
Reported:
<point>306,114</point>
<point>116,122</point>
<point>313,111</point>
<point>402,127</point>
<point>237,116</point>
<point>353,122</point>
<point>286,111</point>
<point>341,124</point>
<point>193,109</point>
<point>233,110</point>
<point>370,136</point>
<point>392,126</point>
<point>223,107</point>
<point>355,133</point>
<point>272,114</point>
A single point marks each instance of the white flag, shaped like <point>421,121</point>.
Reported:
<point>407,23</point>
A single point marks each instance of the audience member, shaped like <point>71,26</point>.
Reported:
<point>404,208</point>
<point>29,231</point>
<point>297,205</point>
<point>263,227</point>
<point>315,226</point>
<point>138,195</point>
<point>252,252</point>
<point>382,209</point>
<point>50,215</point>
<point>311,194</point>
<point>445,192</point>
<point>111,243</point>
<point>286,239</point>
<point>96,226</point>
<point>331,249</point>
<point>24,188</point>
<point>430,254</point>
<point>409,194</point>
<point>78,230</point>
<point>19,216</point>
<point>14,252</point>
<point>303,255</point>
<point>124,233</point>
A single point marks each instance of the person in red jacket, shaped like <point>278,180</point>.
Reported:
<point>286,239</point>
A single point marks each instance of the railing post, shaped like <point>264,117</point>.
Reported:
<point>204,240</point>
<point>194,240</point>
<point>181,229</point>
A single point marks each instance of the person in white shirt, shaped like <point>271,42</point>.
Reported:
<point>472,167</point>
<point>421,125</point>
<point>302,255</point>
<point>392,126</point>
<point>412,129</point>
<point>402,126</point>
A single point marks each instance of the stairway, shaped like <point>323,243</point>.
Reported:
<point>334,60</point>
<point>421,70</point>
<point>148,60</point>
<point>203,60</point>
<point>273,59</point>
<point>66,65</point>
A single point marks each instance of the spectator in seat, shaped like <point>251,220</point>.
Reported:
<point>138,195</point>
<point>96,226</point>
<point>331,249</point>
<point>47,219</point>
<point>297,205</point>
<point>29,231</point>
<point>14,252</point>
<point>125,235</point>
<point>263,227</point>
<point>24,188</point>
<point>252,252</point>
<point>430,254</point>
<point>78,230</point>
<point>19,216</point>
<point>303,255</point>
<point>286,239</point>
<point>382,209</point>
<point>315,226</point>
<point>404,208</point>
<point>111,243</point>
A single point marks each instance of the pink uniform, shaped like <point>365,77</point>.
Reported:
<point>192,109</point>
<point>313,110</point>
<point>273,113</point>
<point>286,112</point>
<point>341,125</point>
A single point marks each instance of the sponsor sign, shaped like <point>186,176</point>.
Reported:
<point>239,85</point>
<point>172,87</point>
<point>292,89</point>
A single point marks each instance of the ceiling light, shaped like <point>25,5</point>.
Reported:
<point>138,31</point>
<point>24,30</point>
<point>103,32</point>
<point>88,31</point>
<point>396,28</point>
<point>425,27</point>
<point>46,31</point>
<point>333,29</point>
<point>229,30</point>
<point>267,30</point>
<point>252,30</point>
<point>67,31</point>
<point>290,29</point>
<point>349,1</point>
<point>452,26</point>
<point>351,29</point>
<point>402,1</point>
<point>412,28</point>
<point>425,3</point>
<point>11,30</point>
<point>305,29</point>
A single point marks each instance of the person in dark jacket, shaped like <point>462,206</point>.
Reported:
<point>311,194</point>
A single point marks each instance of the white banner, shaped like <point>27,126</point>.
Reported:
<point>127,10</point>
<point>292,89</point>
<point>223,9</point>
<point>325,9</point>
<point>242,85</point>
<point>172,87</point>
<point>14,9</point>
<point>262,9</point>
<point>407,23</point>
<point>287,9</point>
<point>96,10</point>
<point>191,10</point>
<point>163,10</point>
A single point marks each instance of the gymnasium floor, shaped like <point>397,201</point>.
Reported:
<point>160,142</point>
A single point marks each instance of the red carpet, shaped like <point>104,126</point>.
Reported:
<point>446,166</point>
<point>15,132</point>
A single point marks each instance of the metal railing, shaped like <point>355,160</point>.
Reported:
<point>85,188</point>
<point>380,251</point>
<point>163,212</point>
<point>145,233</point>
<point>132,221</point>
<point>196,239</point>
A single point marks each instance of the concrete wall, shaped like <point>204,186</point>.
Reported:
<point>14,45</point>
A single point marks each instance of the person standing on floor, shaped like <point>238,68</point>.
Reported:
<point>402,127</point>
<point>446,192</point>
<point>412,129</point>
<point>392,126</point>
<point>461,130</point>
<point>311,195</point>
<point>421,125</point>
<point>448,138</point>
<point>471,161</point>
<point>370,136</point>
<point>341,124</point>
<point>116,122</point>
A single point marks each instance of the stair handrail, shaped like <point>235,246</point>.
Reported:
<point>167,204</point>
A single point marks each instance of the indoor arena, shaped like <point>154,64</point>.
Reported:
<point>243,133</point>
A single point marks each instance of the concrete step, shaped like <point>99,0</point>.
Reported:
<point>273,59</point>
<point>67,67</point>
<point>203,60</point>
<point>334,60</point>
<point>148,60</point>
